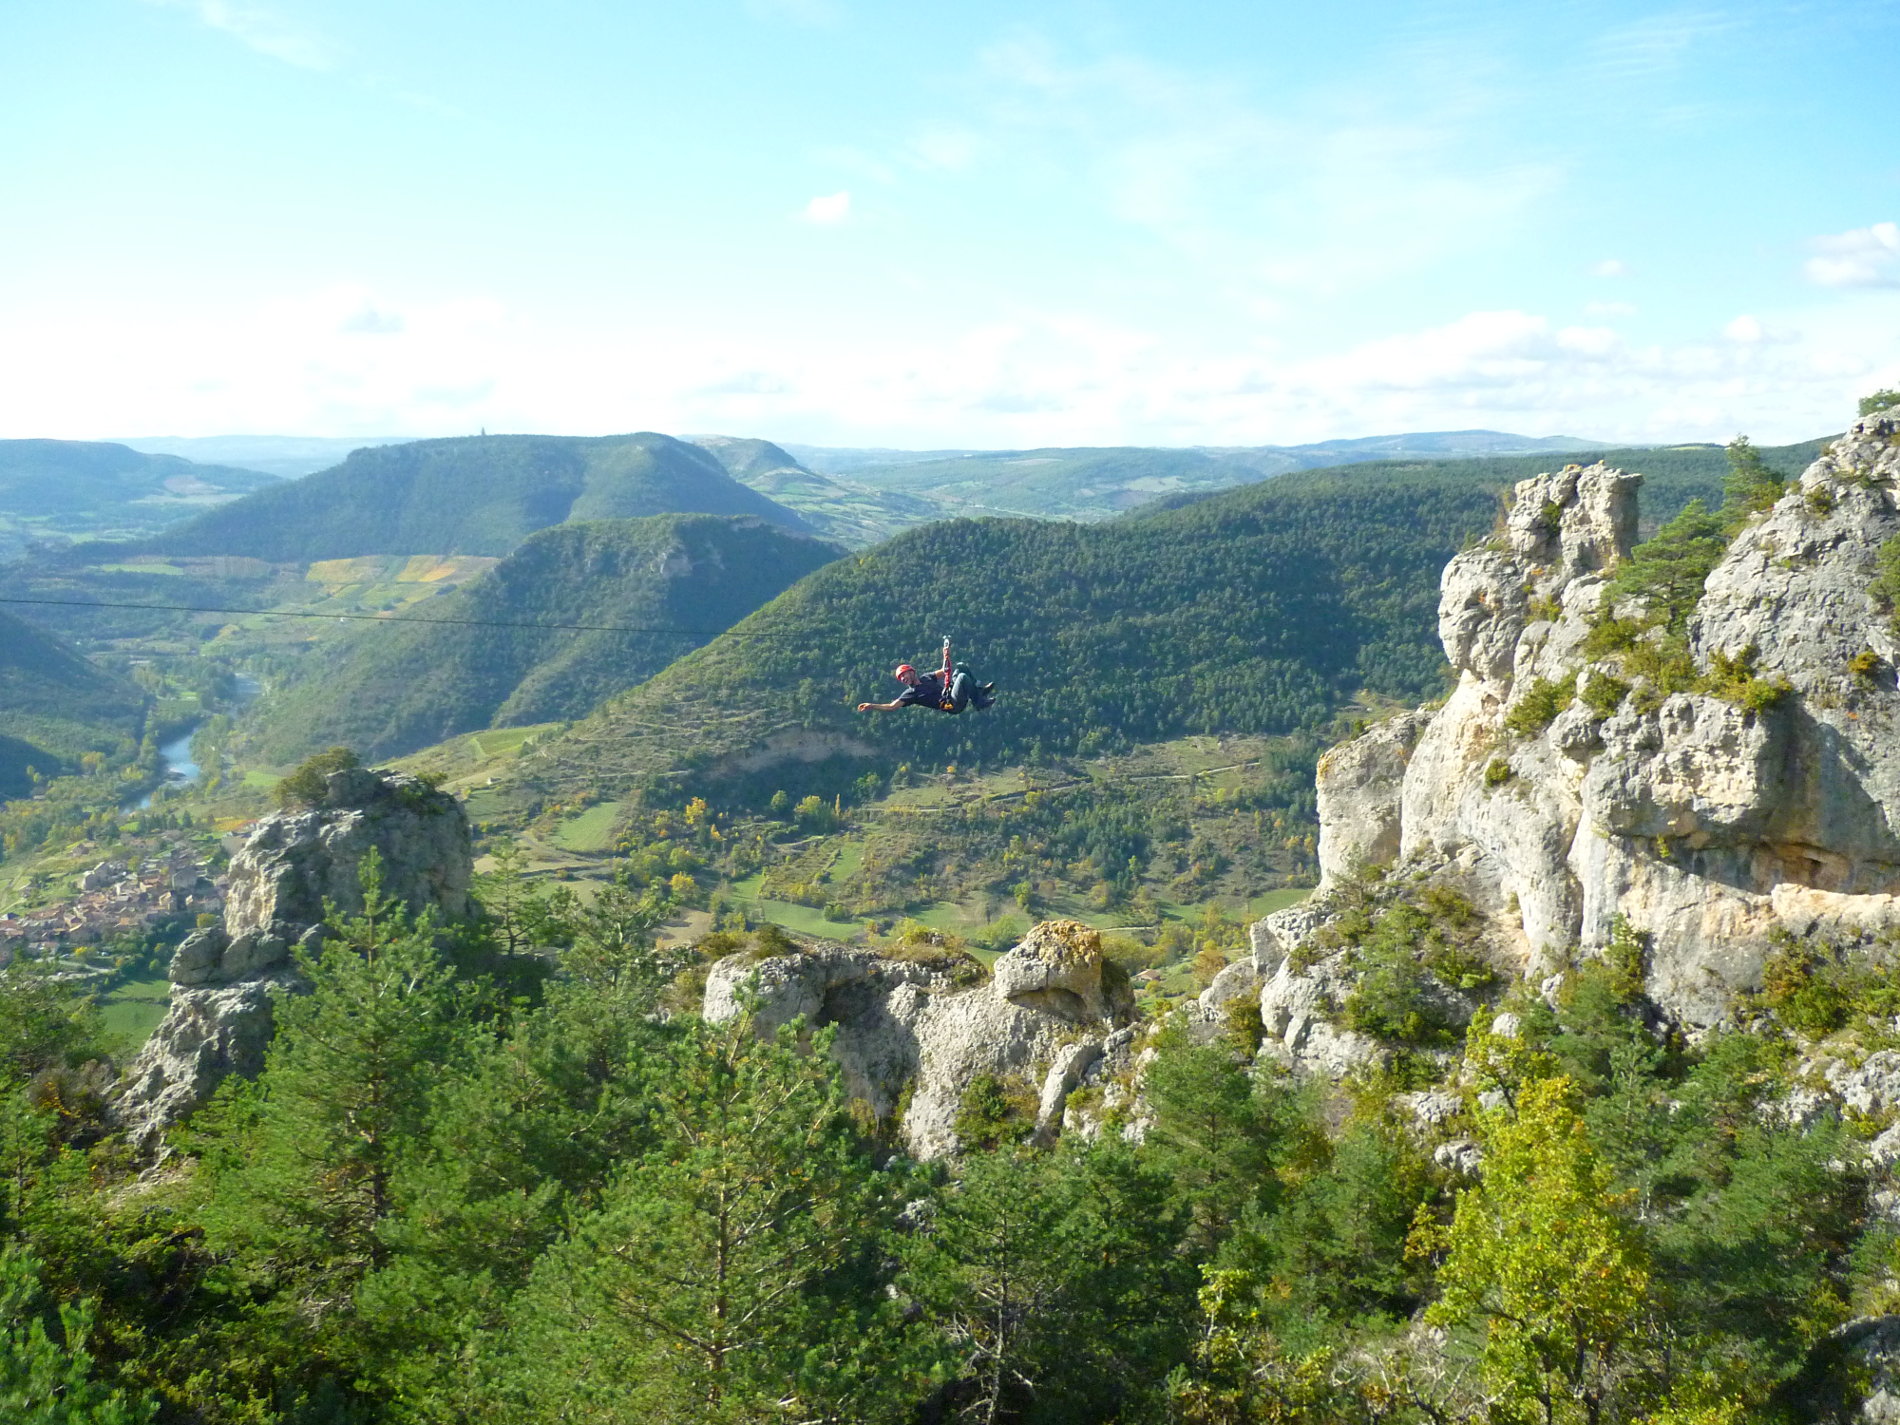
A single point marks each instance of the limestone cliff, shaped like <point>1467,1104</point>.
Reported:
<point>1562,792</point>
<point>291,867</point>
<point>913,1035</point>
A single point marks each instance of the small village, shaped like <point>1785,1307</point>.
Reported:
<point>112,901</point>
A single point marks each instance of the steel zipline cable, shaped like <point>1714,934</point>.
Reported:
<point>398,618</point>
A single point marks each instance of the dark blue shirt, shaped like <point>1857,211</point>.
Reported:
<point>928,691</point>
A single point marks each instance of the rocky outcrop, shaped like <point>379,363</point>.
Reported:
<point>914,1034</point>
<point>1563,794</point>
<point>1359,822</point>
<point>294,866</point>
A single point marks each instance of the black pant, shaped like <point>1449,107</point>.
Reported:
<point>962,693</point>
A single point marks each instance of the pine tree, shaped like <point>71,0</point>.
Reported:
<point>46,1373</point>
<point>1057,1282</point>
<point>721,1278</point>
<point>307,1163</point>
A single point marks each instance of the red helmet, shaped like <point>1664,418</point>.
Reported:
<point>901,669</point>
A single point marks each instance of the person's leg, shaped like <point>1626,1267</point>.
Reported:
<point>960,690</point>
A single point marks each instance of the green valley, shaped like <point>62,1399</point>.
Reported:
<point>55,491</point>
<point>490,658</point>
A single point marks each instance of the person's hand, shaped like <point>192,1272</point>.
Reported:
<point>864,707</point>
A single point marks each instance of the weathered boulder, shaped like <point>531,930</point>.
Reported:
<point>292,866</point>
<point>1058,968</point>
<point>916,1033</point>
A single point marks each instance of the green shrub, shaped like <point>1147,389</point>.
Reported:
<point>1732,678</point>
<point>943,953</point>
<point>1604,694</point>
<point>304,787</point>
<point>1539,704</point>
<point>1813,988</point>
<point>1865,664</point>
<point>993,1112</point>
<point>1820,500</point>
<point>1396,951</point>
<point>1498,773</point>
<point>1242,1025</point>
<point>770,940</point>
<point>1626,960</point>
<point>1879,401</point>
<point>1885,589</point>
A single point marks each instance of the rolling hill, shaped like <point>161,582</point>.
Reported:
<point>80,489</point>
<point>1258,611</point>
<point>55,706</point>
<point>286,455</point>
<point>853,514</point>
<point>1095,483</point>
<point>391,688</point>
<point>470,495</point>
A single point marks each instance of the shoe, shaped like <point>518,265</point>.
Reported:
<point>979,702</point>
<point>986,688</point>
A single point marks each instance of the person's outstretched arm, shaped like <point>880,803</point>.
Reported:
<point>879,707</point>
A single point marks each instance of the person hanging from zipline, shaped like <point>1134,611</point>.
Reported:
<point>950,689</point>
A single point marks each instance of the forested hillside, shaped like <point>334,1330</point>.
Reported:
<point>55,707</point>
<point>470,495</point>
<point>1260,610</point>
<point>394,687</point>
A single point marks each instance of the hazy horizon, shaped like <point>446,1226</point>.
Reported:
<point>1007,227</point>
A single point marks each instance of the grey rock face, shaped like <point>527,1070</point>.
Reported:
<point>1042,1019</point>
<point>1359,806</point>
<point>1868,1347</point>
<point>1298,1010</point>
<point>1707,824</point>
<point>219,1020</point>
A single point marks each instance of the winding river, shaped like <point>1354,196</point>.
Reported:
<point>175,756</point>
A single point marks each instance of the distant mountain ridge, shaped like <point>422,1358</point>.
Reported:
<point>394,687</point>
<point>71,489</point>
<point>1097,482</point>
<point>287,456</point>
<point>470,495</point>
<point>844,510</point>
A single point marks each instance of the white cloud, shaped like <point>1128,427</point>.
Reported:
<point>370,321</point>
<point>1859,257</point>
<point>828,208</point>
<point>1651,46</point>
<point>262,29</point>
<point>1609,309</point>
<point>304,363</point>
<point>1744,329</point>
<point>1318,191</point>
<point>1610,267</point>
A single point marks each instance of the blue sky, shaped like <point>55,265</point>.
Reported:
<point>972,225</point>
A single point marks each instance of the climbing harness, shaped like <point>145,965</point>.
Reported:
<point>946,703</point>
